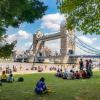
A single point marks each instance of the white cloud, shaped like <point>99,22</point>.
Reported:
<point>52,21</point>
<point>54,45</point>
<point>11,38</point>
<point>23,47</point>
<point>23,34</point>
<point>28,44</point>
<point>24,40</point>
<point>20,35</point>
<point>94,39</point>
<point>98,47</point>
<point>79,51</point>
<point>87,40</point>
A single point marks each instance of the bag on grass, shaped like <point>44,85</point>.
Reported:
<point>20,79</point>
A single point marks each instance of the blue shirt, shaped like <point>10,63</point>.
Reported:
<point>40,86</point>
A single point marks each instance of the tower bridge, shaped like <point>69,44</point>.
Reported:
<point>67,46</point>
<point>69,41</point>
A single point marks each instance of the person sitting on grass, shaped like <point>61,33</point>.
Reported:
<point>41,86</point>
<point>10,78</point>
<point>84,74</point>
<point>77,75</point>
<point>65,74</point>
<point>59,73</point>
<point>3,77</point>
<point>71,75</point>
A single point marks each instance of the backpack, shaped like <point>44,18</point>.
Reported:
<point>20,79</point>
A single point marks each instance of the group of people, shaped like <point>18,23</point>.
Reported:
<point>85,71</point>
<point>44,68</point>
<point>53,68</point>
<point>5,78</point>
<point>73,74</point>
<point>8,69</point>
<point>9,78</point>
<point>87,66</point>
<point>40,86</point>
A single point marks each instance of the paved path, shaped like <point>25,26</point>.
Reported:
<point>25,68</point>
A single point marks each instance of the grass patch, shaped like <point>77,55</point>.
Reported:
<point>83,89</point>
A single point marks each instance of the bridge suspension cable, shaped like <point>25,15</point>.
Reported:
<point>88,46</point>
<point>81,46</point>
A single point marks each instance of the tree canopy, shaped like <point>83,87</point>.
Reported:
<point>15,12</point>
<point>6,50</point>
<point>83,15</point>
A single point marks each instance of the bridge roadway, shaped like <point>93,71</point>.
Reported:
<point>52,36</point>
<point>75,56</point>
<point>85,56</point>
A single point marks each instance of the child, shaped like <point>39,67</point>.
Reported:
<point>41,86</point>
<point>3,77</point>
<point>10,78</point>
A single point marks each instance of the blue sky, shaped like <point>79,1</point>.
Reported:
<point>48,24</point>
<point>31,28</point>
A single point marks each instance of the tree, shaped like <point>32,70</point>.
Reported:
<point>83,15</point>
<point>6,50</point>
<point>15,12</point>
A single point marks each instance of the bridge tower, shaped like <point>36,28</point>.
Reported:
<point>38,45</point>
<point>63,50</point>
<point>67,44</point>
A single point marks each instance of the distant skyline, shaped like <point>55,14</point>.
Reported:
<point>49,23</point>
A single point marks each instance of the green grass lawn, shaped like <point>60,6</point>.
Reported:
<point>83,89</point>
